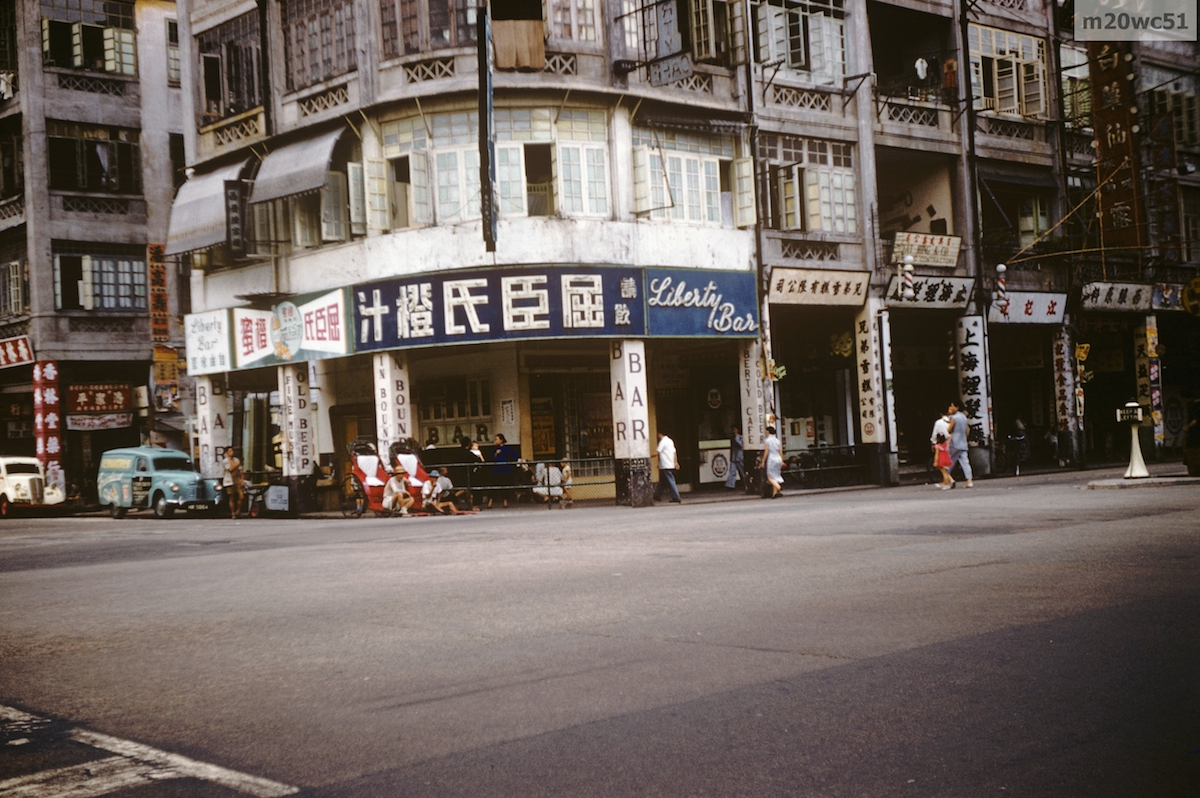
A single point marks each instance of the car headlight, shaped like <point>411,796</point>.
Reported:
<point>174,487</point>
<point>20,490</point>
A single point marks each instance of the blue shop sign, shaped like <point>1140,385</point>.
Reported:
<point>691,302</point>
<point>498,305</point>
<point>557,301</point>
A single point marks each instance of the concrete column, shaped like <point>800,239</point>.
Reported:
<point>393,410</point>
<point>299,440</point>
<point>212,425</point>
<point>631,423</point>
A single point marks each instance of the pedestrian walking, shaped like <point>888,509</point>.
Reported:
<point>958,443</point>
<point>940,443</point>
<point>771,462</point>
<point>737,458</point>
<point>503,472</point>
<point>667,464</point>
<point>234,481</point>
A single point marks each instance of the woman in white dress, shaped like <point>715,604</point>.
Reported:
<point>771,462</point>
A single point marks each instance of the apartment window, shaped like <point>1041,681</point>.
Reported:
<point>1076,87</point>
<point>96,35</point>
<point>90,158</point>
<point>231,67</point>
<point>8,37</point>
<point>1032,220</point>
<point>12,289</point>
<point>416,26</point>
<point>805,39</point>
<point>1181,106</point>
<point>12,172</point>
<point>573,20</point>
<point>812,184</point>
<point>1008,71</point>
<point>711,31</point>
<point>99,277</point>
<point>173,64</point>
<point>691,178</point>
<point>318,40</point>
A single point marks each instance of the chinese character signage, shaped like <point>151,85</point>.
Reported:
<point>818,287</point>
<point>15,352</point>
<point>1066,409</point>
<point>1148,372</point>
<point>311,327</point>
<point>1029,307</point>
<point>160,311</point>
<point>1114,118</point>
<point>926,249</point>
<point>48,421</point>
<point>969,352</point>
<point>563,302</point>
<point>868,373</point>
<point>208,342</point>
<point>1117,296</point>
<point>932,292</point>
<point>690,302</point>
<point>109,397</point>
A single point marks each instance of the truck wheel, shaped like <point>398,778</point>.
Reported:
<point>161,508</point>
<point>116,511</point>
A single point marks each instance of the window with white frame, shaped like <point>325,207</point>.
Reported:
<point>691,178</point>
<point>12,289</point>
<point>92,158</point>
<point>173,64</point>
<point>95,35</point>
<point>1008,71</point>
<point>1076,87</point>
<point>711,31</point>
<point>805,39</point>
<point>573,20</point>
<point>812,184</point>
<point>90,278</point>
<point>1179,102</point>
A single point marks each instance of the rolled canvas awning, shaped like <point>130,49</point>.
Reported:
<point>198,213</point>
<point>295,168</point>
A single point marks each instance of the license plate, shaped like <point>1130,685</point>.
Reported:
<point>196,506</point>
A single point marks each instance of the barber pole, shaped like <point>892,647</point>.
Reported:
<point>1001,290</point>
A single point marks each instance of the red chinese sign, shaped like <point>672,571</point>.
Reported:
<point>160,310</point>
<point>15,352</point>
<point>47,421</point>
<point>100,398</point>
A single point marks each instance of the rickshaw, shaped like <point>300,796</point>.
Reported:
<point>362,490</point>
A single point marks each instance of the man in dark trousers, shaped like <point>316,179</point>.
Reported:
<point>958,442</point>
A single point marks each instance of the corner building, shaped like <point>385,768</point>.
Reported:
<point>333,228</point>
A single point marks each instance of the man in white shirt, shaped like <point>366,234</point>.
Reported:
<point>666,469</point>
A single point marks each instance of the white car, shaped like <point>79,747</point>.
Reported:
<point>23,484</point>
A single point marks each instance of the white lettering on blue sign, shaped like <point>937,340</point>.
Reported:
<point>457,294</point>
<point>723,316</point>
<point>583,301</point>
<point>526,307</point>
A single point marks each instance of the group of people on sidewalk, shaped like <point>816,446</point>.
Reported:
<point>949,443</point>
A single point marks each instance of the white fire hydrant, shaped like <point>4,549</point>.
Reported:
<point>1131,414</point>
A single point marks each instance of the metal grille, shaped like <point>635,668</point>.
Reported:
<point>561,64</point>
<point>100,326</point>
<point>429,70</point>
<point>112,88</point>
<point>810,250</point>
<point>912,114</point>
<point>800,98</point>
<point>696,82</point>
<point>1009,129</point>
<point>237,131</point>
<point>95,205</point>
<point>332,98</point>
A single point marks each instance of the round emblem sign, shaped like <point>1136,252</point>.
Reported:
<point>287,331</point>
<point>720,465</point>
<point>714,398</point>
<point>1191,296</point>
<point>869,429</point>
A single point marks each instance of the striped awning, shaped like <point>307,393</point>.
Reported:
<point>198,213</point>
<point>295,168</point>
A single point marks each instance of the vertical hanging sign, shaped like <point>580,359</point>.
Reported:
<point>487,128</point>
<point>299,444</point>
<point>754,396</point>
<point>212,427</point>
<point>1065,408</point>
<point>972,377</point>
<point>868,373</point>
<point>160,310</point>
<point>1149,377</point>
<point>47,421</point>
<point>392,408</point>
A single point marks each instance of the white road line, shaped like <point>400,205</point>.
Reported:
<point>85,781</point>
<point>136,764</point>
<point>183,766</point>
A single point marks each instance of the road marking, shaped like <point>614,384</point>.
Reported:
<point>134,765</point>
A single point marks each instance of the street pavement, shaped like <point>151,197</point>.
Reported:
<point>1026,637</point>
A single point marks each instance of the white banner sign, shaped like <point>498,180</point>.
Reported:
<point>1028,307</point>
<point>1117,296</point>
<point>970,354</point>
<point>868,373</point>
<point>932,292</point>
<point>818,287</point>
<point>927,249</point>
<point>208,342</point>
<point>100,421</point>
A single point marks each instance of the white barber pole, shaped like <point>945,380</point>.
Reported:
<point>393,410</point>
<point>299,433</point>
<point>1001,288</point>
<point>212,425</point>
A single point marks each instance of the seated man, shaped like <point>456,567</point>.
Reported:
<point>438,494</point>
<point>548,482</point>
<point>396,498</point>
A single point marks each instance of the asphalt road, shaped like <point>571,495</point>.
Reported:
<point>1028,637</point>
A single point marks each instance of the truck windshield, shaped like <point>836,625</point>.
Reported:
<point>172,464</point>
<point>22,468</point>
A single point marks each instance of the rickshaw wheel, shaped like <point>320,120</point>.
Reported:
<point>353,498</point>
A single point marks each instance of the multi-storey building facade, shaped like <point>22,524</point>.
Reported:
<point>91,151</point>
<point>689,196</point>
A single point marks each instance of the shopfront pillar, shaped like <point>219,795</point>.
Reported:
<point>1068,398</point>
<point>753,387</point>
<point>631,423</point>
<point>872,372</point>
<point>298,433</point>
<point>212,425</point>
<point>971,359</point>
<point>393,410</point>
